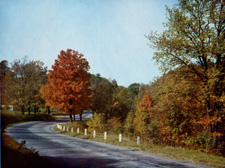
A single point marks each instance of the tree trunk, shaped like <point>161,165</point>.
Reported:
<point>48,109</point>
<point>215,138</point>
<point>208,116</point>
<point>35,110</point>
<point>29,110</point>
<point>71,110</point>
<point>22,110</point>
<point>81,116</point>
<point>74,118</point>
<point>71,117</point>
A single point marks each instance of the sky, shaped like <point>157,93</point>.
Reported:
<point>110,34</point>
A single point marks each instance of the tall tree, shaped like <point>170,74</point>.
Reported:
<point>143,115</point>
<point>3,80</point>
<point>102,95</point>
<point>122,103</point>
<point>25,79</point>
<point>195,40</point>
<point>178,109</point>
<point>69,83</point>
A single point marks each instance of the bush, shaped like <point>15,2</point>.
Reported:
<point>115,125</point>
<point>78,124</point>
<point>97,122</point>
<point>128,124</point>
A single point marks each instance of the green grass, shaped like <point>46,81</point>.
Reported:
<point>180,154</point>
<point>15,155</point>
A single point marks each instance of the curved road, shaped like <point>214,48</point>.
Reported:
<point>70,152</point>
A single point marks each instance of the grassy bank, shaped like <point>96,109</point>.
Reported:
<point>16,155</point>
<point>180,154</point>
<point>10,117</point>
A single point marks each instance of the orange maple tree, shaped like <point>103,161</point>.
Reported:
<point>69,84</point>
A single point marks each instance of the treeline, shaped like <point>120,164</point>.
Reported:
<point>169,111</point>
<point>21,83</point>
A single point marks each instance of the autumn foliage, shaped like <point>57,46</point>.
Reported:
<point>69,84</point>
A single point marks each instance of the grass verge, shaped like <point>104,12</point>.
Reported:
<point>179,154</point>
<point>9,117</point>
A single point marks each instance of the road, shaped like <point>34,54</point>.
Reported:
<point>70,152</point>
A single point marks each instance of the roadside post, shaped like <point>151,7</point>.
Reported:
<point>94,134</point>
<point>120,137</point>
<point>138,140</point>
<point>105,135</point>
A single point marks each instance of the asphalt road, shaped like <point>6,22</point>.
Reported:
<point>70,152</point>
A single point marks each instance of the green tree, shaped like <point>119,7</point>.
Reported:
<point>195,40</point>
<point>133,90</point>
<point>102,95</point>
<point>96,79</point>
<point>25,81</point>
<point>122,103</point>
<point>129,123</point>
<point>97,123</point>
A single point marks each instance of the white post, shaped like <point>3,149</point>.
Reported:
<point>72,130</point>
<point>68,129</point>
<point>105,135</point>
<point>138,140</point>
<point>78,130</point>
<point>85,132</point>
<point>64,128</point>
<point>94,134</point>
<point>120,137</point>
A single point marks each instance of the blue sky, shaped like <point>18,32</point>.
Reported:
<point>110,34</point>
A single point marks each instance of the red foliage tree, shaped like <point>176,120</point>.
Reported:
<point>69,84</point>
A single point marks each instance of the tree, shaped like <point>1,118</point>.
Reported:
<point>133,90</point>
<point>129,123</point>
<point>3,82</point>
<point>178,108</point>
<point>102,95</point>
<point>96,79</point>
<point>143,116</point>
<point>195,41</point>
<point>122,103</point>
<point>69,84</point>
<point>24,82</point>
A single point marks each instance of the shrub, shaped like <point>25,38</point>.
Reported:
<point>97,122</point>
<point>115,125</point>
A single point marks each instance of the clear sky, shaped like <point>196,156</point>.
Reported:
<point>110,34</point>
